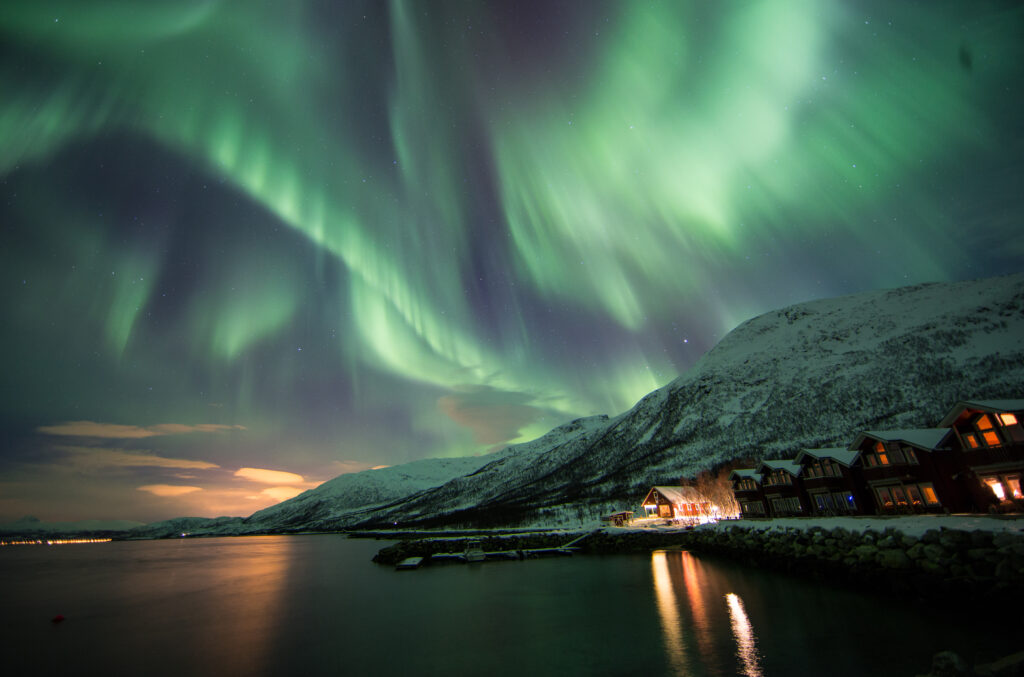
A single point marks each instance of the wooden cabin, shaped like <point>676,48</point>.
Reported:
<point>990,438</point>
<point>910,471</point>
<point>621,518</point>
<point>783,489</point>
<point>746,488</point>
<point>833,483</point>
<point>675,503</point>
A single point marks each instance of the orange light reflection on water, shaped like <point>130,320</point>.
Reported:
<point>743,631</point>
<point>668,610</point>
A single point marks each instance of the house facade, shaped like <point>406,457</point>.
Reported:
<point>783,489</point>
<point>746,488</point>
<point>675,503</point>
<point>990,438</point>
<point>832,482</point>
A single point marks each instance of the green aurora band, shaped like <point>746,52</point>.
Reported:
<point>529,225</point>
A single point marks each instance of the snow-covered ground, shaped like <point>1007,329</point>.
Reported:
<point>911,525</point>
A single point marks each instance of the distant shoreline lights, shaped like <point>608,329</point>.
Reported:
<point>56,541</point>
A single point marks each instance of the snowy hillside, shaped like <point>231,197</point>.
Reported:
<point>810,375</point>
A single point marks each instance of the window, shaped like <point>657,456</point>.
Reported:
<point>996,486</point>
<point>906,496</point>
<point>1008,419</point>
<point>1005,487</point>
<point>986,434</point>
<point>753,508</point>
<point>1013,484</point>
<point>786,506</point>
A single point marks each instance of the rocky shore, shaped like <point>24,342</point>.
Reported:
<point>960,564</point>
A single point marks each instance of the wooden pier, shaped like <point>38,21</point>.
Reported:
<point>472,554</point>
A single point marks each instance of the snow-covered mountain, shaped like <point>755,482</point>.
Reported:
<point>33,525</point>
<point>809,375</point>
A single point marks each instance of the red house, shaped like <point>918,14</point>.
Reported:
<point>675,503</point>
<point>746,487</point>
<point>909,471</point>
<point>833,482</point>
<point>991,438</point>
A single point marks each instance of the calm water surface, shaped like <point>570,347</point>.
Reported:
<point>280,605</point>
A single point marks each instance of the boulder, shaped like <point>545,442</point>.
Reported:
<point>893,558</point>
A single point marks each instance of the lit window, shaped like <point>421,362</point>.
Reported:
<point>884,498</point>
<point>997,488</point>
<point>929,494</point>
<point>883,458</point>
<point>972,441</point>
<point>1013,483</point>
<point>879,447</point>
<point>991,439</point>
<point>1008,419</point>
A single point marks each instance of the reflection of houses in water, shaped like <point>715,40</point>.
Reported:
<point>973,461</point>
<point>682,584</point>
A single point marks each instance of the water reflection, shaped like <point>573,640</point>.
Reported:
<point>668,610</point>
<point>690,630</point>
<point>185,584</point>
<point>746,649</point>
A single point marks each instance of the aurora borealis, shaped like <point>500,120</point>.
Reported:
<point>247,246</point>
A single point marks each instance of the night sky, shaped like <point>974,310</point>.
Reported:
<point>319,237</point>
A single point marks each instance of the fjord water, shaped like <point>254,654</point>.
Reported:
<point>315,605</point>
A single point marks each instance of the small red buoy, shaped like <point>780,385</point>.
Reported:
<point>57,619</point>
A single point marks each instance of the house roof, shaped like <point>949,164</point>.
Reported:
<point>838,454</point>
<point>677,494</point>
<point>788,465</point>
<point>743,473</point>
<point>923,438</point>
<point>991,406</point>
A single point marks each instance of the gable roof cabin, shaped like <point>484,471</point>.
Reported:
<point>910,470</point>
<point>746,489</point>
<point>783,490</point>
<point>990,437</point>
<point>674,502</point>
<point>833,485</point>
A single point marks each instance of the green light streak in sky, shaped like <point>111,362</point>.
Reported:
<point>690,139</point>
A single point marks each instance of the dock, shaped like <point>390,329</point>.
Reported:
<point>472,554</point>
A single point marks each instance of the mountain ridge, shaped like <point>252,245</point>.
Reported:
<point>807,375</point>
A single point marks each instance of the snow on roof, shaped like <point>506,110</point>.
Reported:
<point>992,406</point>
<point>743,473</point>
<point>924,438</point>
<point>844,456</point>
<point>788,465</point>
<point>678,494</point>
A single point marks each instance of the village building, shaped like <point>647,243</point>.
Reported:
<point>832,482</point>
<point>783,490</point>
<point>909,471</point>
<point>990,437</point>
<point>746,487</point>
<point>676,503</point>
